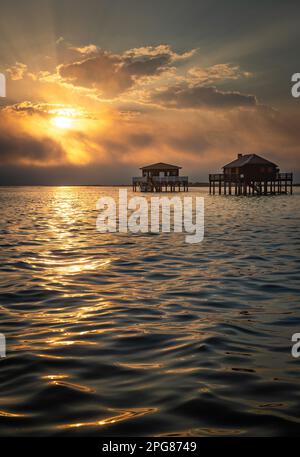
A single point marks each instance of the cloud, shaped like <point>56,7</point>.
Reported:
<point>22,145</point>
<point>156,104</point>
<point>26,149</point>
<point>48,110</point>
<point>113,74</point>
<point>86,50</point>
<point>27,108</point>
<point>201,141</point>
<point>185,96</point>
<point>155,74</point>
<point>139,72</point>
<point>215,73</point>
<point>17,71</point>
<point>104,72</point>
<point>162,49</point>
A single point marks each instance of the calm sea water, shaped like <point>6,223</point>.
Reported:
<point>111,334</point>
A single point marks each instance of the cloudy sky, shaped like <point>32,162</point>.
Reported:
<point>98,88</point>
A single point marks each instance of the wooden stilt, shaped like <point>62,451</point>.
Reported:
<point>276,185</point>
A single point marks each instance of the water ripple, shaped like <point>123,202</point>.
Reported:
<point>145,334</point>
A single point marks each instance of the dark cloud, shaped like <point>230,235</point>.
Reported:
<point>184,96</point>
<point>18,145</point>
<point>66,175</point>
<point>147,65</point>
<point>113,74</point>
<point>202,141</point>
<point>25,149</point>
<point>141,139</point>
<point>104,72</point>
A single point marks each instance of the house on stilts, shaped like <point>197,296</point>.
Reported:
<point>160,177</point>
<point>251,174</point>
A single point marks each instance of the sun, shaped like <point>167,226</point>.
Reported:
<point>62,122</point>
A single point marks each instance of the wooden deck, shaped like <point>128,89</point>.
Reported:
<point>161,184</point>
<point>281,183</point>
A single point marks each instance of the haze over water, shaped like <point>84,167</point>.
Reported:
<point>111,334</point>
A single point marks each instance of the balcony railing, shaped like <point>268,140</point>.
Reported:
<point>170,179</point>
<point>160,179</point>
<point>221,177</point>
<point>216,177</point>
<point>138,179</point>
<point>288,176</point>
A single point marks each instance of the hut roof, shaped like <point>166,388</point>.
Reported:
<point>160,166</point>
<point>247,159</point>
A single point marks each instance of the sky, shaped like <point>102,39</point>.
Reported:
<point>98,88</point>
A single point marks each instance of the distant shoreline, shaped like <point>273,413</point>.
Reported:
<point>197,184</point>
<point>88,185</point>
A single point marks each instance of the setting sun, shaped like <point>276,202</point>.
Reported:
<point>62,122</point>
<point>150,199</point>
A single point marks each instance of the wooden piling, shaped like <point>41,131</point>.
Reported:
<point>282,183</point>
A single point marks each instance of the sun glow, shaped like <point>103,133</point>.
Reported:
<point>62,122</point>
<point>73,130</point>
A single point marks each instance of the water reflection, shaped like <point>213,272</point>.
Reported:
<point>123,416</point>
<point>146,333</point>
<point>9,414</point>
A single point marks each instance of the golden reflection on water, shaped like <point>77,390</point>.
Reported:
<point>202,432</point>
<point>72,385</point>
<point>48,356</point>
<point>63,337</point>
<point>60,315</point>
<point>125,415</point>
<point>55,268</point>
<point>59,380</point>
<point>181,370</point>
<point>69,290</point>
<point>54,377</point>
<point>63,218</point>
<point>63,214</point>
<point>140,366</point>
<point>8,414</point>
<point>59,342</point>
<point>55,381</point>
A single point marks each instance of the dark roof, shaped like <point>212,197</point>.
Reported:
<point>247,159</point>
<point>160,166</point>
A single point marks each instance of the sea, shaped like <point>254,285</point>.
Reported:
<point>122,334</point>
